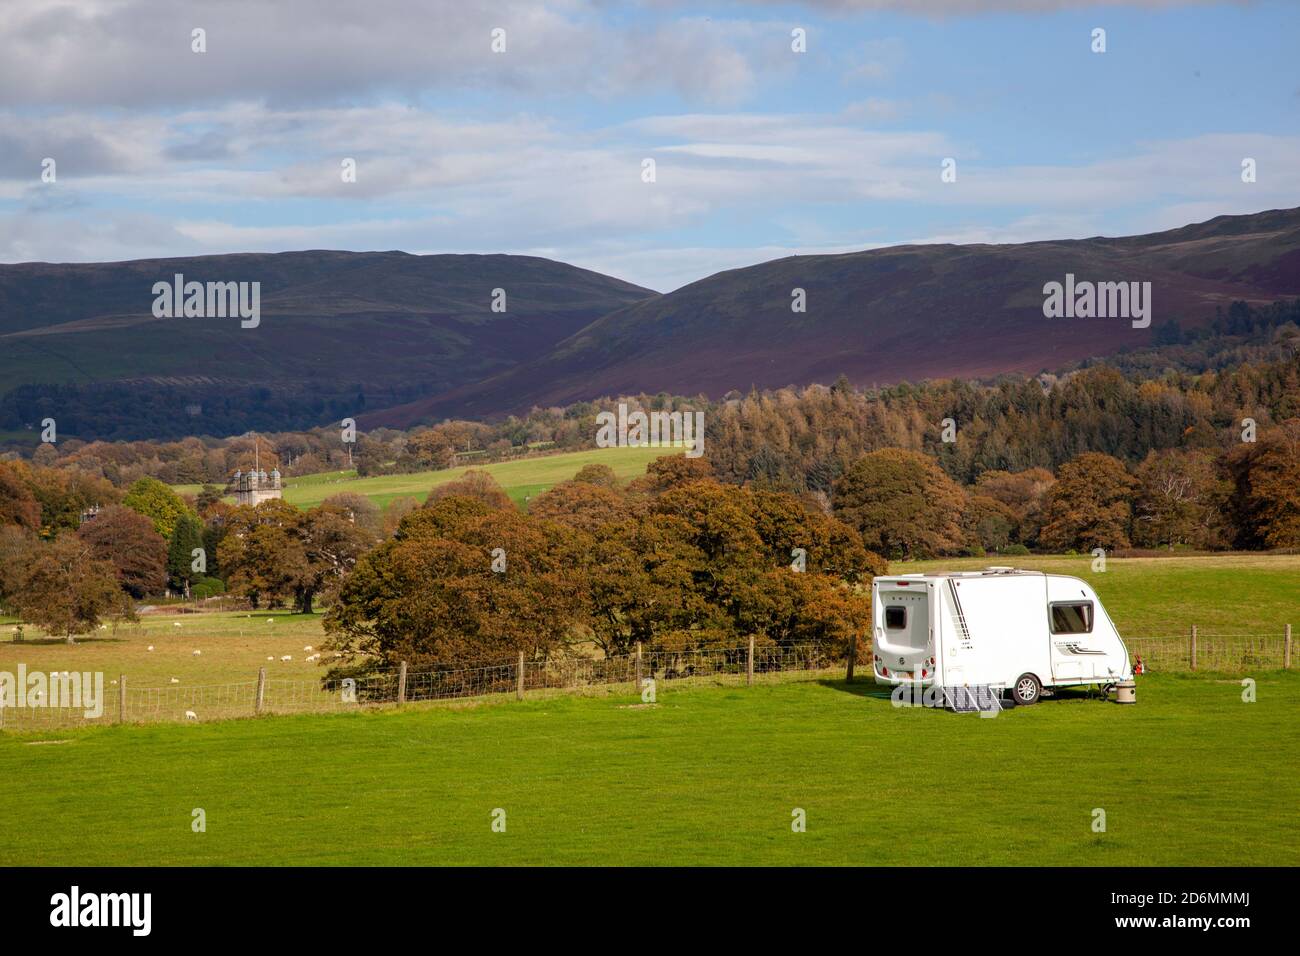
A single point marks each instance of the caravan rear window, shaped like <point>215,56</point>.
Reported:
<point>1073,617</point>
<point>896,618</point>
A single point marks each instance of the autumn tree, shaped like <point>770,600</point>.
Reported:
<point>17,545</point>
<point>988,523</point>
<point>475,483</point>
<point>1266,480</point>
<point>431,596</point>
<point>1089,506</point>
<point>902,503</point>
<point>1180,500</point>
<point>333,539</point>
<point>580,505</point>
<point>261,553</point>
<point>395,512</point>
<point>597,474</point>
<point>67,590</point>
<point>1024,493</point>
<point>128,541</point>
<point>359,509</point>
<point>18,506</point>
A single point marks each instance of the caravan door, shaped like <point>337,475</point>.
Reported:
<point>1080,642</point>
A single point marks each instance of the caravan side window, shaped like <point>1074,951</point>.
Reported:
<point>896,618</point>
<point>1072,617</point>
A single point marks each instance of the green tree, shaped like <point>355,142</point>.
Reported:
<point>157,502</point>
<point>186,537</point>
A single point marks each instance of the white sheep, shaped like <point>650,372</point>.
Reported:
<point>176,623</point>
<point>286,657</point>
<point>270,620</point>
<point>150,647</point>
<point>176,680</point>
<point>190,715</point>
<point>313,657</point>
<point>197,653</point>
<point>307,648</point>
<point>270,658</point>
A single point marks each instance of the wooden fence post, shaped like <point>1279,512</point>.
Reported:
<point>1286,652</point>
<point>121,698</point>
<point>519,678</point>
<point>401,683</point>
<point>749,664</point>
<point>261,690</point>
<point>1193,647</point>
<point>638,667</point>
<point>853,658</point>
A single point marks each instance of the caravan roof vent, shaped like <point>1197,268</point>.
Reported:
<point>999,569</point>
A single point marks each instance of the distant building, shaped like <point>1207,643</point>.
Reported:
<point>89,514</point>
<point>253,487</point>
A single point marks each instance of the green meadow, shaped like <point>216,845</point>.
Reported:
<point>710,775</point>
<point>521,478</point>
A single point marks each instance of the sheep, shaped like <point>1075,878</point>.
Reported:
<point>270,658</point>
<point>286,657</point>
<point>314,657</point>
<point>176,680</point>
<point>307,648</point>
<point>150,647</point>
<point>190,715</point>
<point>270,620</point>
<point>197,653</point>
<point>176,623</point>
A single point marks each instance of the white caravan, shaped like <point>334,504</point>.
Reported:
<point>1014,630</point>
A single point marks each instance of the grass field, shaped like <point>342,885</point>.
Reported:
<point>1236,594</point>
<point>521,478</point>
<point>1190,775</point>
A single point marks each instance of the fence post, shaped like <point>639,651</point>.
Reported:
<point>749,663</point>
<point>401,683</point>
<point>1286,653</point>
<point>519,678</point>
<point>638,667</point>
<point>853,658</point>
<point>261,690</point>
<point>1193,647</point>
<point>121,698</point>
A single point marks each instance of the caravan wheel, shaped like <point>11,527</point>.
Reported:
<point>1027,689</point>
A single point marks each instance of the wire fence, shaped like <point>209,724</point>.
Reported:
<point>650,672</point>
<point>118,701</point>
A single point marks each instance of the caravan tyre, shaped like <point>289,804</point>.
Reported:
<point>1026,690</point>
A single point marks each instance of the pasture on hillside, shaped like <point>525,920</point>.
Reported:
<point>521,478</point>
<point>1191,775</point>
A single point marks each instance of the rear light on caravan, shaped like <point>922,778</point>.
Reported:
<point>885,671</point>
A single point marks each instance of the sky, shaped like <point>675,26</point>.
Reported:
<point>759,151</point>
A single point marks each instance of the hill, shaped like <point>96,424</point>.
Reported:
<point>892,314</point>
<point>340,332</point>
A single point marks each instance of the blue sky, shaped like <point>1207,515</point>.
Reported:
<point>759,151</point>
